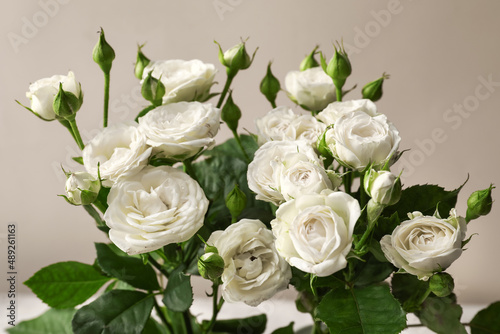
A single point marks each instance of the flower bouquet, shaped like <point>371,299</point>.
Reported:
<point>308,200</point>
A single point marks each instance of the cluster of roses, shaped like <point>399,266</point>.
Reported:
<point>300,165</point>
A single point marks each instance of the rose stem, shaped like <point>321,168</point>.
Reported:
<point>238,140</point>
<point>230,77</point>
<point>339,93</point>
<point>76,134</point>
<point>107,78</point>
<point>162,316</point>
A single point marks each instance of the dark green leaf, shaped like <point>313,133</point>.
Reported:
<point>371,271</point>
<point>425,198</point>
<point>128,269</point>
<point>487,320</point>
<point>442,315</point>
<point>367,310</point>
<point>51,322</point>
<point>117,311</point>
<point>97,217</point>
<point>251,325</point>
<point>284,330</point>
<point>409,290</point>
<point>153,327</point>
<point>66,284</point>
<point>178,295</point>
<point>230,148</point>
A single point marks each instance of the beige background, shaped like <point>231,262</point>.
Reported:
<point>439,54</point>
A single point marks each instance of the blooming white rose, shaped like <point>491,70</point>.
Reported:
<point>337,109</point>
<point>42,93</point>
<point>156,207</point>
<point>311,88</point>
<point>120,151</point>
<point>180,130</point>
<point>424,245</point>
<point>282,123</point>
<point>358,140</point>
<point>314,232</point>
<point>253,271</point>
<point>300,176</point>
<point>82,188</point>
<point>265,171</point>
<point>183,80</point>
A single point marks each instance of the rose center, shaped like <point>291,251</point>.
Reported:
<point>247,265</point>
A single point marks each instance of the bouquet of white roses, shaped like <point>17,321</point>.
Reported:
<point>307,201</point>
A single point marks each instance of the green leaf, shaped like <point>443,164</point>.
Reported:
<point>78,159</point>
<point>51,322</point>
<point>441,315</point>
<point>66,284</point>
<point>409,290</point>
<point>487,320</point>
<point>101,225</point>
<point>424,198</point>
<point>371,271</point>
<point>126,268</point>
<point>178,294</point>
<point>153,327</point>
<point>284,330</point>
<point>367,310</point>
<point>251,325</point>
<point>117,311</point>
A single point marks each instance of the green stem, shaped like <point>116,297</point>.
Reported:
<point>238,140</point>
<point>339,93</point>
<point>158,266</point>
<point>424,296</point>
<point>66,124</point>
<point>273,104</point>
<point>188,168</point>
<point>363,196</point>
<point>347,180</point>
<point>187,321</point>
<point>144,112</point>
<point>216,306</point>
<point>107,78</point>
<point>76,134</point>
<point>230,77</point>
<point>162,317</point>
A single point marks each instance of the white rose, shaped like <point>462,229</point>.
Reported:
<point>264,172</point>
<point>358,140</point>
<point>299,176</point>
<point>120,151</point>
<point>383,186</point>
<point>314,232</point>
<point>42,93</point>
<point>156,207</point>
<point>180,130</point>
<point>282,123</point>
<point>82,188</point>
<point>424,245</point>
<point>337,109</point>
<point>311,88</point>
<point>183,80</point>
<point>253,271</point>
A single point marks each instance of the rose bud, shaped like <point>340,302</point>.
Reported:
<point>66,104</point>
<point>373,90</point>
<point>309,61</point>
<point>236,58</point>
<point>236,202</point>
<point>153,89</point>
<point>211,266</point>
<point>339,67</point>
<point>270,86</point>
<point>231,113</point>
<point>479,203</point>
<point>103,53</point>
<point>441,284</point>
<point>82,188</point>
<point>382,186</point>
<point>141,62</point>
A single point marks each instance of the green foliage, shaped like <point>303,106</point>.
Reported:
<point>153,327</point>
<point>128,269</point>
<point>284,330</point>
<point>251,325</point>
<point>117,311</point>
<point>424,198</point>
<point>371,271</point>
<point>52,321</point>
<point>66,284</point>
<point>487,320</point>
<point>178,295</point>
<point>409,290</point>
<point>366,310</point>
<point>442,315</point>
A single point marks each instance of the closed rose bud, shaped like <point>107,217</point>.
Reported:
<point>103,53</point>
<point>270,86</point>
<point>153,89</point>
<point>66,104</point>
<point>373,90</point>
<point>382,186</point>
<point>141,62</point>
<point>231,113</point>
<point>309,61</point>
<point>441,284</point>
<point>82,188</point>
<point>236,202</point>
<point>236,58</point>
<point>211,266</point>
<point>479,203</point>
<point>339,68</point>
